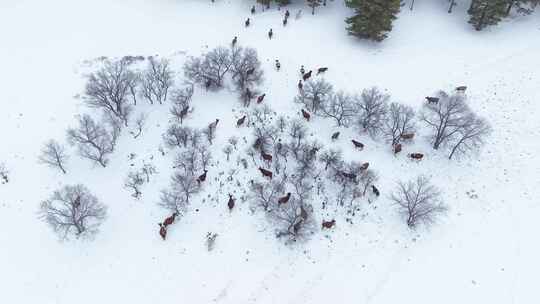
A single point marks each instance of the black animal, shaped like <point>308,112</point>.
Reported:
<point>240,121</point>
<point>266,173</point>
<point>348,175</point>
<point>202,177</point>
<point>234,41</point>
<point>287,14</point>
<point>300,85</point>
<point>417,156</point>
<point>270,34</point>
<point>307,75</point>
<point>250,71</point>
<point>260,98</point>
<point>321,70</point>
<point>375,190</point>
<point>253,9</point>
<point>357,144</point>
<point>461,89</point>
<point>432,99</point>
<point>328,224</point>
<point>278,65</point>
<point>230,203</point>
<point>247,22</point>
<point>302,70</point>
<point>335,135</point>
<point>284,199</point>
<point>364,166</point>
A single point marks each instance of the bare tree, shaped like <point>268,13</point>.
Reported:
<point>139,124</point>
<point>179,136</point>
<point>186,184</point>
<point>181,103</point>
<point>54,155</point>
<point>446,118</point>
<point>418,201</point>
<point>210,133</point>
<point>210,70</point>
<point>205,156</point>
<point>471,136</point>
<point>108,88</point>
<point>339,107</point>
<point>156,80</point>
<point>228,149</point>
<point>399,121</point>
<point>4,174</point>
<point>134,181</point>
<point>189,161</point>
<point>372,107</point>
<point>266,194</point>
<point>331,158</point>
<point>246,68</point>
<point>315,94</point>
<point>173,200</point>
<point>73,210</point>
<point>298,134</point>
<point>93,140</point>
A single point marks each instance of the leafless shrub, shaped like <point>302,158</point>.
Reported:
<point>93,140</point>
<point>331,158</point>
<point>134,181</point>
<point>54,155</point>
<point>181,103</point>
<point>418,201</point>
<point>210,70</point>
<point>314,95</point>
<point>186,185</point>
<point>399,121</point>
<point>139,124</point>
<point>228,149</point>
<point>372,107</point>
<point>107,89</point>
<point>4,174</point>
<point>73,210</point>
<point>246,68</point>
<point>339,107</point>
<point>174,200</point>
<point>156,80</point>
<point>178,136</point>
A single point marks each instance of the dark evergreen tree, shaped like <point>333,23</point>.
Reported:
<point>373,18</point>
<point>484,13</point>
<point>283,2</point>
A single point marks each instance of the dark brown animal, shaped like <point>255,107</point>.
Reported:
<point>214,124</point>
<point>270,34</point>
<point>397,148</point>
<point>162,231</point>
<point>266,173</point>
<point>287,14</point>
<point>358,144</point>
<point>300,85</point>
<point>168,221</point>
<point>247,22</point>
<point>407,136</point>
<point>321,70</point>
<point>417,156</point>
<point>260,98</point>
<point>234,41</point>
<point>348,175</point>
<point>266,157</point>
<point>230,203</point>
<point>307,75</point>
<point>335,136</point>
<point>375,190</point>
<point>461,89</point>
<point>306,115</point>
<point>253,9</point>
<point>328,224</point>
<point>202,177</point>
<point>240,121</point>
<point>432,99</point>
<point>249,72</point>
<point>364,166</point>
<point>284,21</point>
<point>284,199</point>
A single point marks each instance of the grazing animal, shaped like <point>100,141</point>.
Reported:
<point>260,98</point>
<point>306,115</point>
<point>168,221</point>
<point>162,231</point>
<point>278,65</point>
<point>348,175</point>
<point>434,100</point>
<point>234,41</point>
<point>250,71</point>
<point>328,224</point>
<point>230,203</point>
<point>202,177</point>
<point>266,173</point>
<point>284,199</point>
<point>461,89</point>
<point>364,166</point>
<point>266,157</point>
<point>417,156</point>
<point>302,70</point>
<point>285,22</point>
<point>214,124</point>
<point>253,9</point>
<point>358,144</point>
<point>375,190</point>
<point>407,136</point>
<point>240,121</point>
<point>247,22</point>
<point>397,148</point>
<point>307,75</point>
<point>335,136</point>
<point>270,34</point>
<point>300,85</point>
<point>321,70</point>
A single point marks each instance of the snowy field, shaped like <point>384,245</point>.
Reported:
<point>484,251</point>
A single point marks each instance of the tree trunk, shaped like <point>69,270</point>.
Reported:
<point>509,8</point>
<point>452,4</point>
<point>412,5</point>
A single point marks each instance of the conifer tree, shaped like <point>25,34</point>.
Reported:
<point>373,18</point>
<point>484,13</point>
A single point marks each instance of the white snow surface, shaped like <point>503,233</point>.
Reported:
<point>484,251</point>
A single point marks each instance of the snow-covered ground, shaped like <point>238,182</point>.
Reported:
<point>484,251</point>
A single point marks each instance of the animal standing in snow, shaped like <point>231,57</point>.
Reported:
<point>328,224</point>
<point>162,231</point>
<point>397,148</point>
<point>407,136</point>
<point>270,34</point>
<point>302,70</point>
<point>260,98</point>
<point>335,136</point>
<point>364,166</point>
<point>253,9</point>
<point>213,125</point>
<point>285,22</point>
<point>266,173</point>
<point>321,70</point>
<point>234,41</point>
<point>284,199</point>
<point>307,75</point>
<point>306,115</point>
<point>433,100</point>
<point>417,156</point>
<point>278,65</point>
<point>202,177</point>
<point>461,89</point>
<point>358,144</point>
<point>300,85</point>
<point>230,203</point>
<point>266,157</point>
<point>168,221</point>
<point>375,190</point>
<point>247,22</point>
<point>240,121</point>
